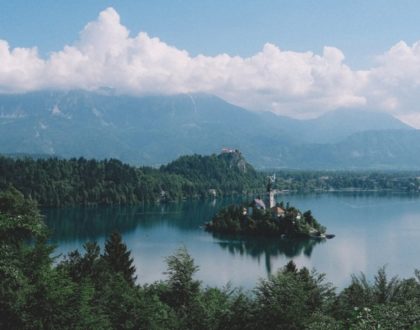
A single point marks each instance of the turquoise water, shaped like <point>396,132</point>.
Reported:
<point>372,230</point>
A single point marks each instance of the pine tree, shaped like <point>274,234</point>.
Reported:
<point>118,257</point>
<point>290,267</point>
<point>180,271</point>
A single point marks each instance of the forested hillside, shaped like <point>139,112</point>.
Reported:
<point>60,182</point>
<point>63,182</point>
<point>228,171</point>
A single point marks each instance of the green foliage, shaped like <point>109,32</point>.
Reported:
<point>315,181</point>
<point>20,218</point>
<point>118,258</point>
<point>20,264</point>
<point>322,321</point>
<point>60,182</point>
<point>384,304</point>
<point>235,219</point>
<point>182,288</point>
<point>289,298</point>
<point>388,316</point>
<point>227,172</point>
<point>90,290</point>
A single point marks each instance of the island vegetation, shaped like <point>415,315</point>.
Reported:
<point>266,218</point>
<point>98,289</point>
<point>280,221</point>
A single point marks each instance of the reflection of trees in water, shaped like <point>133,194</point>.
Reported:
<point>267,247</point>
<point>91,223</point>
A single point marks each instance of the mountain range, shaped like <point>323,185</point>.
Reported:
<point>153,130</point>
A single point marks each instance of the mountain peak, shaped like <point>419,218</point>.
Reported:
<point>155,129</point>
<point>365,118</point>
<point>337,125</point>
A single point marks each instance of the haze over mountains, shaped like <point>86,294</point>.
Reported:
<point>153,130</point>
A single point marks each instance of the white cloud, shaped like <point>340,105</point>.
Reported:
<point>299,84</point>
<point>20,68</point>
<point>394,84</point>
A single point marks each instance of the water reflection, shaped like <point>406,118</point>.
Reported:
<point>75,224</point>
<point>267,248</point>
<point>92,223</point>
<point>373,229</point>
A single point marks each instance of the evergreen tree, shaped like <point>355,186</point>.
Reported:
<point>33,294</point>
<point>290,267</point>
<point>118,257</point>
<point>94,291</point>
<point>181,269</point>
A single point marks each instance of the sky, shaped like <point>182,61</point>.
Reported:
<point>295,58</point>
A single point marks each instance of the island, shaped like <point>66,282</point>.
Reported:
<point>266,218</point>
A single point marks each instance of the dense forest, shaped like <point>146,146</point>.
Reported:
<point>60,182</point>
<point>309,181</point>
<point>94,289</point>
<point>55,182</point>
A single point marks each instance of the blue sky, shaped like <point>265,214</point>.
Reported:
<point>294,58</point>
<point>361,29</point>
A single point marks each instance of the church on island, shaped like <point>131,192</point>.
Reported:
<point>269,202</point>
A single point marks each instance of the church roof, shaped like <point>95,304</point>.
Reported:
<point>277,209</point>
<point>259,203</point>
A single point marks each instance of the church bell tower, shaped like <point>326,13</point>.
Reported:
<point>271,201</point>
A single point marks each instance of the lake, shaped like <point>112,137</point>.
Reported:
<point>372,230</point>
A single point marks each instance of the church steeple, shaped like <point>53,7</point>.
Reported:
<point>271,201</point>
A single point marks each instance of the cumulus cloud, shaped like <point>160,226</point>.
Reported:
<point>299,84</point>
